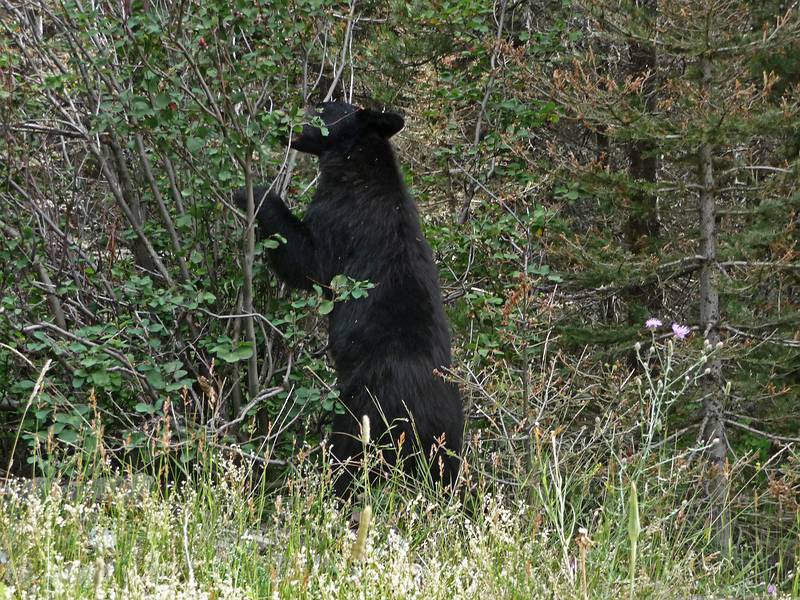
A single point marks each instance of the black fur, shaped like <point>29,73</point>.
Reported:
<point>363,223</point>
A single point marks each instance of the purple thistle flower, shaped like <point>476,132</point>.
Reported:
<point>772,589</point>
<point>681,331</point>
<point>653,323</point>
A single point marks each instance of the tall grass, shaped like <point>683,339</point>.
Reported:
<point>554,524</point>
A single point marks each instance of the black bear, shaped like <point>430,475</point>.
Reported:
<point>363,223</point>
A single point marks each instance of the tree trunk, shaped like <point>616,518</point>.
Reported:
<point>642,229</point>
<point>642,225</point>
<point>713,417</point>
<point>247,292</point>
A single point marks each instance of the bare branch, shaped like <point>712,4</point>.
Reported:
<point>348,33</point>
<point>780,439</point>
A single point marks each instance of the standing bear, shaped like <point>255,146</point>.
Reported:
<point>363,223</point>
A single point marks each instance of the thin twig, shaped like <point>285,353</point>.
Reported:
<point>465,209</point>
<point>780,439</point>
<point>345,45</point>
<point>35,392</point>
<point>243,413</point>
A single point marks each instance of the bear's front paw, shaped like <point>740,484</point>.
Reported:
<point>261,197</point>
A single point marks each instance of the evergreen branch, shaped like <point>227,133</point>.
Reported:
<point>763,264</point>
<point>769,338</point>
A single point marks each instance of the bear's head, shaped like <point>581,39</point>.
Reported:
<point>346,124</point>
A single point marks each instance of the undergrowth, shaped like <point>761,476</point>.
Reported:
<point>221,534</point>
<point>609,511</point>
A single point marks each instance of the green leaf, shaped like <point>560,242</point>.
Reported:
<point>339,281</point>
<point>155,379</point>
<point>161,101</point>
<point>68,436</point>
<point>233,356</point>
<point>100,378</point>
<point>172,366</point>
<point>193,144</point>
<point>244,351</point>
<point>325,307</point>
<point>634,525</point>
<point>68,419</point>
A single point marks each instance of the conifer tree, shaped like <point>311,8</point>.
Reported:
<point>697,198</point>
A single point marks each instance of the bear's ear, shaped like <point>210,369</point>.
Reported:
<point>385,123</point>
